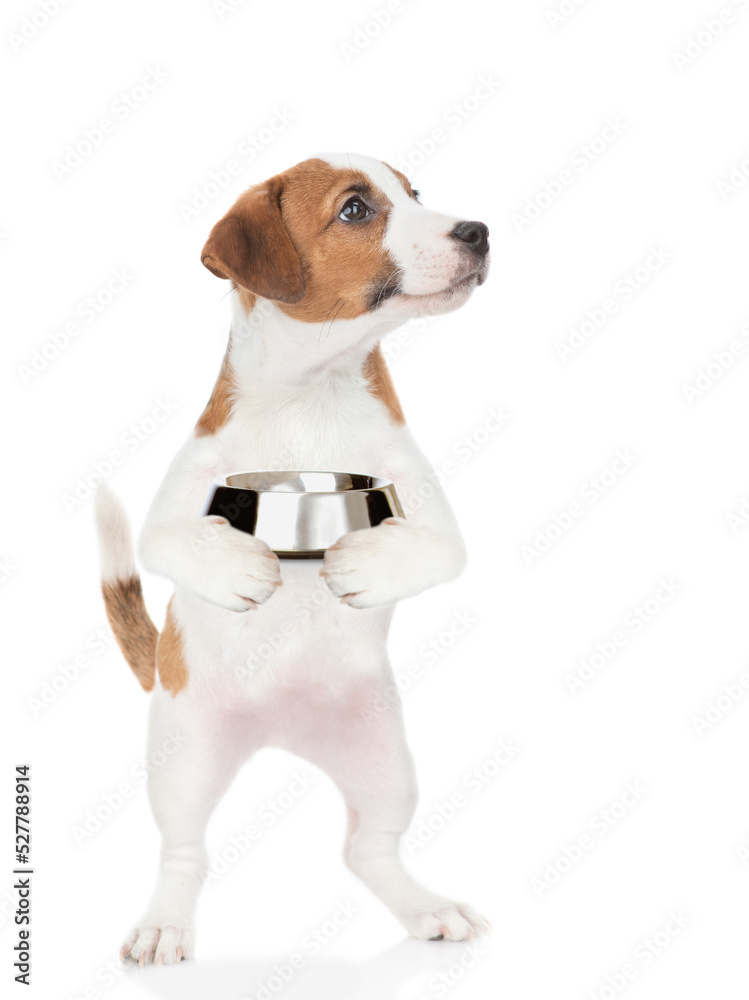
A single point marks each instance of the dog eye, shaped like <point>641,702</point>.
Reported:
<point>354,211</point>
<point>415,193</point>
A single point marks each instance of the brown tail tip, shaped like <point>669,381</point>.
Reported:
<point>133,629</point>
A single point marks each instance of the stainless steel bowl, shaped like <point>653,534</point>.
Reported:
<point>300,514</point>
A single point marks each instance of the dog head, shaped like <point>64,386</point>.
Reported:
<point>345,236</point>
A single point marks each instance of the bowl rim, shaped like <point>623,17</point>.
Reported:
<point>378,483</point>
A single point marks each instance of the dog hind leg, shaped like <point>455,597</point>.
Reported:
<point>184,787</point>
<point>373,767</point>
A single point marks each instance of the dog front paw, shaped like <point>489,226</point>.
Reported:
<point>374,567</point>
<point>231,568</point>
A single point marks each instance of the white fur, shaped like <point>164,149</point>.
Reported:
<point>117,557</point>
<point>304,403</point>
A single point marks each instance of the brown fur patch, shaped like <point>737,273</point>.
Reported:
<point>218,408</point>
<point>405,182</point>
<point>381,385</point>
<point>285,235</point>
<point>170,657</point>
<point>133,629</point>
<point>251,245</point>
<point>344,263</point>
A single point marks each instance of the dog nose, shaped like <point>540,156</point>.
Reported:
<point>475,234</point>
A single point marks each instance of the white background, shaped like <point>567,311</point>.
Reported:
<point>683,130</point>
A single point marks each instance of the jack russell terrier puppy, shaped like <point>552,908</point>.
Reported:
<point>325,259</point>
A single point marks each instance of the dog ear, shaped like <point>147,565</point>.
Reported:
<point>252,247</point>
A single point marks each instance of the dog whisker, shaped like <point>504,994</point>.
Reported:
<point>332,321</point>
<point>385,285</point>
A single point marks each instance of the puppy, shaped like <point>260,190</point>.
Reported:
<point>325,259</point>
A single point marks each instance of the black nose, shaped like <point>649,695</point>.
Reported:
<point>475,234</point>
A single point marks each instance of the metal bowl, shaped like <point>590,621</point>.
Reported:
<point>301,514</point>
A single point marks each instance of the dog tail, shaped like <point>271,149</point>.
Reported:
<point>133,629</point>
